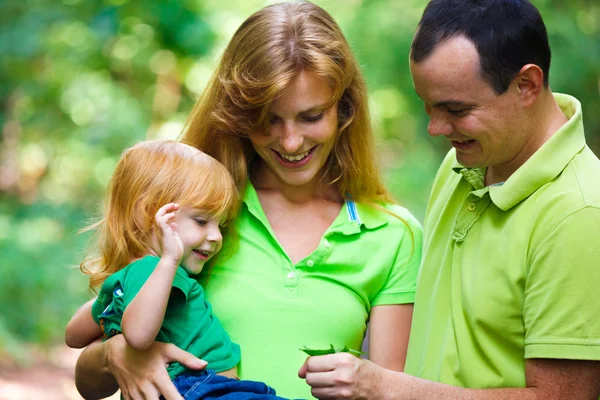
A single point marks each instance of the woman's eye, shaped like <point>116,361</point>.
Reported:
<point>312,118</point>
<point>273,119</point>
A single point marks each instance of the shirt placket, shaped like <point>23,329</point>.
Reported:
<point>473,206</point>
<point>293,273</point>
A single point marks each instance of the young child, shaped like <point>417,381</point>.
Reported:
<point>166,204</point>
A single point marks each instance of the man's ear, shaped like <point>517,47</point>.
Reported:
<point>530,81</point>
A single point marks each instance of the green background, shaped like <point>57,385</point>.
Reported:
<point>80,80</point>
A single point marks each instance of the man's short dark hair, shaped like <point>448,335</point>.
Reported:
<point>507,34</point>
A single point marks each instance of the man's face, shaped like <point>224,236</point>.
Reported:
<point>482,126</point>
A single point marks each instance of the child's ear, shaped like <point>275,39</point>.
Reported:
<point>155,240</point>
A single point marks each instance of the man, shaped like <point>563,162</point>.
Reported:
<point>506,303</point>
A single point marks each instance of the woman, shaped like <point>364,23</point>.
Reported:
<point>322,247</point>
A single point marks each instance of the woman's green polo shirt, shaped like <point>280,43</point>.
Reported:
<point>510,271</point>
<point>272,307</point>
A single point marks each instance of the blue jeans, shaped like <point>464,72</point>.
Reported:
<point>207,385</point>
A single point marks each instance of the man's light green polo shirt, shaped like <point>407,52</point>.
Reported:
<point>510,271</point>
<point>272,308</point>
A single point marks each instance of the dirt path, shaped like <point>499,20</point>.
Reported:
<point>48,376</point>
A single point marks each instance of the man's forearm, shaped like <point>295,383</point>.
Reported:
<point>547,379</point>
<point>399,386</point>
<point>92,378</point>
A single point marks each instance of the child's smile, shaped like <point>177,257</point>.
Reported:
<point>201,237</point>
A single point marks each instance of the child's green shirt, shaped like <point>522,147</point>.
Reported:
<point>189,322</point>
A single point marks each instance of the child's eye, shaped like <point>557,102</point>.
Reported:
<point>201,221</point>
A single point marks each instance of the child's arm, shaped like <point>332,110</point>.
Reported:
<point>82,329</point>
<point>144,316</point>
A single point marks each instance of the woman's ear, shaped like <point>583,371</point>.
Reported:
<point>345,109</point>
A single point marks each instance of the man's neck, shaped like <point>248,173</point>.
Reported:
<point>545,119</point>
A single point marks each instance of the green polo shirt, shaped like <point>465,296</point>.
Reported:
<point>272,307</point>
<point>510,271</point>
<point>188,323</point>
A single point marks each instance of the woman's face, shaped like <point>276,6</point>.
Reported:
<point>302,132</point>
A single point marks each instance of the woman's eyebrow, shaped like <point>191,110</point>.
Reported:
<point>318,107</point>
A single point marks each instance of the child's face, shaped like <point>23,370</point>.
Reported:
<point>201,236</point>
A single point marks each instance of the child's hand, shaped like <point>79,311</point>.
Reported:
<point>171,246</point>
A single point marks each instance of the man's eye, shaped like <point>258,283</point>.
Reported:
<point>457,112</point>
<point>312,118</point>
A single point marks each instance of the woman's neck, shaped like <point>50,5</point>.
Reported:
<point>264,179</point>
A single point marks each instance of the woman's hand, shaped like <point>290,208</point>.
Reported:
<point>342,376</point>
<point>171,245</point>
<point>143,374</point>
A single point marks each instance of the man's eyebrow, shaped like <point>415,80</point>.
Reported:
<point>452,103</point>
<point>448,103</point>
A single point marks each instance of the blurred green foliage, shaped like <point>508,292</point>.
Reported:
<point>81,80</point>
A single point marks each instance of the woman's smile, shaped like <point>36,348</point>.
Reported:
<point>294,161</point>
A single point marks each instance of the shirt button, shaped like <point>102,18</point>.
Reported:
<point>326,243</point>
<point>472,207</point>
<point>291,275</point>
<point>310,263</point>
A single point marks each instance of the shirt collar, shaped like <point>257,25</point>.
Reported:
<point>543,166</point>
<point>352,216</point>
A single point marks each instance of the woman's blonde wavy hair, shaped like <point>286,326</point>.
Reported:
<point>264,56</point>
<point>149,175</point>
